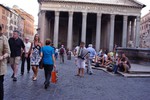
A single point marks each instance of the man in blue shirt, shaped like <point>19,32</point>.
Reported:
<point>48,58</point>
<point>92,54</point>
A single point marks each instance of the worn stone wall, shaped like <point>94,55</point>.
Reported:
<point>145,40</point>
<point>145,31</point>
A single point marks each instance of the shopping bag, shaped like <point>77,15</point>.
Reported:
<point>54,76</point>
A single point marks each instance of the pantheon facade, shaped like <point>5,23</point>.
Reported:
<point>102,23</point>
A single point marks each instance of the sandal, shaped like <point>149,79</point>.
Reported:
<point>77,75</point>
<point>34,78</point>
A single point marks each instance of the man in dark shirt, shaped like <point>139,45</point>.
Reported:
<point>15,44</point>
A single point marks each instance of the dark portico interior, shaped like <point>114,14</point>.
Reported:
<point>90,28</point>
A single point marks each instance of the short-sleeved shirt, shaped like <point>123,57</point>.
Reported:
<point>92,52</point>
<point>76,50</point>
<point>27,46</point>
<point>48,52</point>
<point>15,46</point>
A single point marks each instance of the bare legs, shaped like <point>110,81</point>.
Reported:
<point>80,72</point>
<point>81,66</point>
<point>15,69</point>
<point>35,71</point>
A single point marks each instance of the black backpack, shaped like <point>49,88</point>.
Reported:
<point>61,51</point>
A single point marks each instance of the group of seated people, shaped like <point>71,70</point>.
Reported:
<point>113,62</point>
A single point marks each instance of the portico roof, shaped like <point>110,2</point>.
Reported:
<point>130,3</point>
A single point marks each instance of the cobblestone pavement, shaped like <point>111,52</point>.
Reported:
<point>99,86</point>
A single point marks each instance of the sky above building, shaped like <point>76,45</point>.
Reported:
<point>32,7</point>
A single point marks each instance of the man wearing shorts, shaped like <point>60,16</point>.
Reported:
<point>15,44</point>
<point>81,61</point>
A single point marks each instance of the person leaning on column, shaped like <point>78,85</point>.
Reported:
<point>4,53</point>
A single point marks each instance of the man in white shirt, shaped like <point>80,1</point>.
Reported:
<point>26,56</point>
<point>75,52</point>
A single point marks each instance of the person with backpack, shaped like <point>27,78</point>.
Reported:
<point>62,53</point>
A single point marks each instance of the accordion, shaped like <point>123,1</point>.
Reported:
<point>83,54</point>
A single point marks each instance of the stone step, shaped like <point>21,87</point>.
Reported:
<point>132,74</point>
<point>139,72</point>
<point>128,75</point>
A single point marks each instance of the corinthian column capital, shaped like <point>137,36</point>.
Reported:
<point>99,14</point>
<point>84,13</point>
<point>138,18</point>
<point>112,16</point>
<point>70,13</point>
<point>56,13</point>
<point>125,18</point>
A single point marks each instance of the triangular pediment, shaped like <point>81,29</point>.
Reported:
<point>132,3</point>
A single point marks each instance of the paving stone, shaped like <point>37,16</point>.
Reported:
<point>99,86</point>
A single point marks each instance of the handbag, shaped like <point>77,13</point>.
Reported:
<point>54,77</point>
<point>41,64</point>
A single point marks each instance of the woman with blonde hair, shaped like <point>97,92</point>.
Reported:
<point>35,55</point>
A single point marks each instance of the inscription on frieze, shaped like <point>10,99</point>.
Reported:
<point>90,8</point>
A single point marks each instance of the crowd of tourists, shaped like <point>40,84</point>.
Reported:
<point>88,57</point>
<point>44,55</point>
<point>113,62</point>
<point>34,52</point>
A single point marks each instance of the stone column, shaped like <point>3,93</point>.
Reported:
<point>111,36</point>
<point>42,26</point>
<point>128,31</point>
<point>84,19</point>
<point>124,36</point>
<point>137,34</point>
<point>70,26</point>
<point>133,30</point>
<point>56,29</point>
<point>98,32</point>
